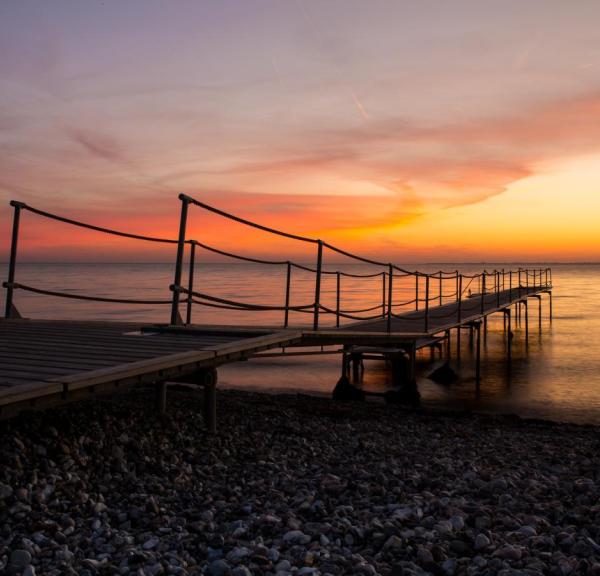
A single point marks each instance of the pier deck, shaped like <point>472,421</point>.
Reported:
<point>48,362</point>
<point>420,325</point>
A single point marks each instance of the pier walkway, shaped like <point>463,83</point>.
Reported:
<point>46,362</point>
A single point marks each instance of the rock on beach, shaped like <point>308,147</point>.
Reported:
<point>294,485</point>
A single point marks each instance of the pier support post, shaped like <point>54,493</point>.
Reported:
<point>478,355</point>
<point>356,360</point>
<point>448,345</point>
<point>509,335</point>
<point>210,407</point>
<point>412,364</point>
<point>458,344</point>
<point>161,398</point>
<point>524,302</point>
<point>550,296</point>
<point>485,319</point>
<point>206,378</point>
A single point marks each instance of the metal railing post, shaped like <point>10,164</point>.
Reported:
<point>459,292</point>
<point>457,288</point>
<point>8,313</point>
<point>416,291</point>
<point>288,280</point>
<point>497,289</point>
<point>427,303</point>
<point>175,318</point>
<point>441,288</point>
<point>482,291</point>
<point>188,315</point>
<point>338,282</point>
<point>383,294</point>
<point>318,284</point>
<point>390,284</point>
<point>510,286</point>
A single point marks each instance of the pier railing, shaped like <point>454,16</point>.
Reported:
<point>427,292</point>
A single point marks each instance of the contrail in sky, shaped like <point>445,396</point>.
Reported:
<point>359,105</point>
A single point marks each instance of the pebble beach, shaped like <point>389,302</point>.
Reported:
<point>294,485</point>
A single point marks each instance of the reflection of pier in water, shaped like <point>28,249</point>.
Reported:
<point>49,362</point>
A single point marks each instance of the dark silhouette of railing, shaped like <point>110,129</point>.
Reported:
<point>428,291</point>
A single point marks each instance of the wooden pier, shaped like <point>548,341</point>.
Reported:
<point>47,362</point>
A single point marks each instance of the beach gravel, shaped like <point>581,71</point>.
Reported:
<point>294,485</point>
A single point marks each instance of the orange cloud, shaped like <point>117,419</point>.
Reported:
<point>314,181</point>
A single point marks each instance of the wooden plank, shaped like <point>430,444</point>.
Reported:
<point>34,360</point>
<point>134,335</point>
<point>41,374</point>
<point>83,346</point>
<point>91,340</point>
<point>74,353</point>
<point>146,345</point>
<point>50,348</point>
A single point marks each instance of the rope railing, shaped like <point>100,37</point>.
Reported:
<point>431,290</point>
<point>74,296</point>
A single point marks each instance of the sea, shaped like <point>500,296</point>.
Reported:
<point>554,375</point>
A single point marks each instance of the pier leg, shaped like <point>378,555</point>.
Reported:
<point>540,313</point>
<point>412,364</point>
<point>448,345</point>
<point>356,362</point>
<point>478,356</point>
<point>526,322</point>
<point>550,296</point>
<point>210,407</point>
<point>458,344</point>
<point>485,319</point>
<point>161,397</point>
<point>207,378</point>
<point>471,336</point>
<point>509,335</point>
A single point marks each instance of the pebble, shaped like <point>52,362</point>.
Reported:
<point>481,542</point>
<point>20,558</point>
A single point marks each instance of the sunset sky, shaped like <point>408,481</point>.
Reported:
<point>429,130</point>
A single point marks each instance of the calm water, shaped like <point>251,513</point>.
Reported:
<point>557,376</point>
